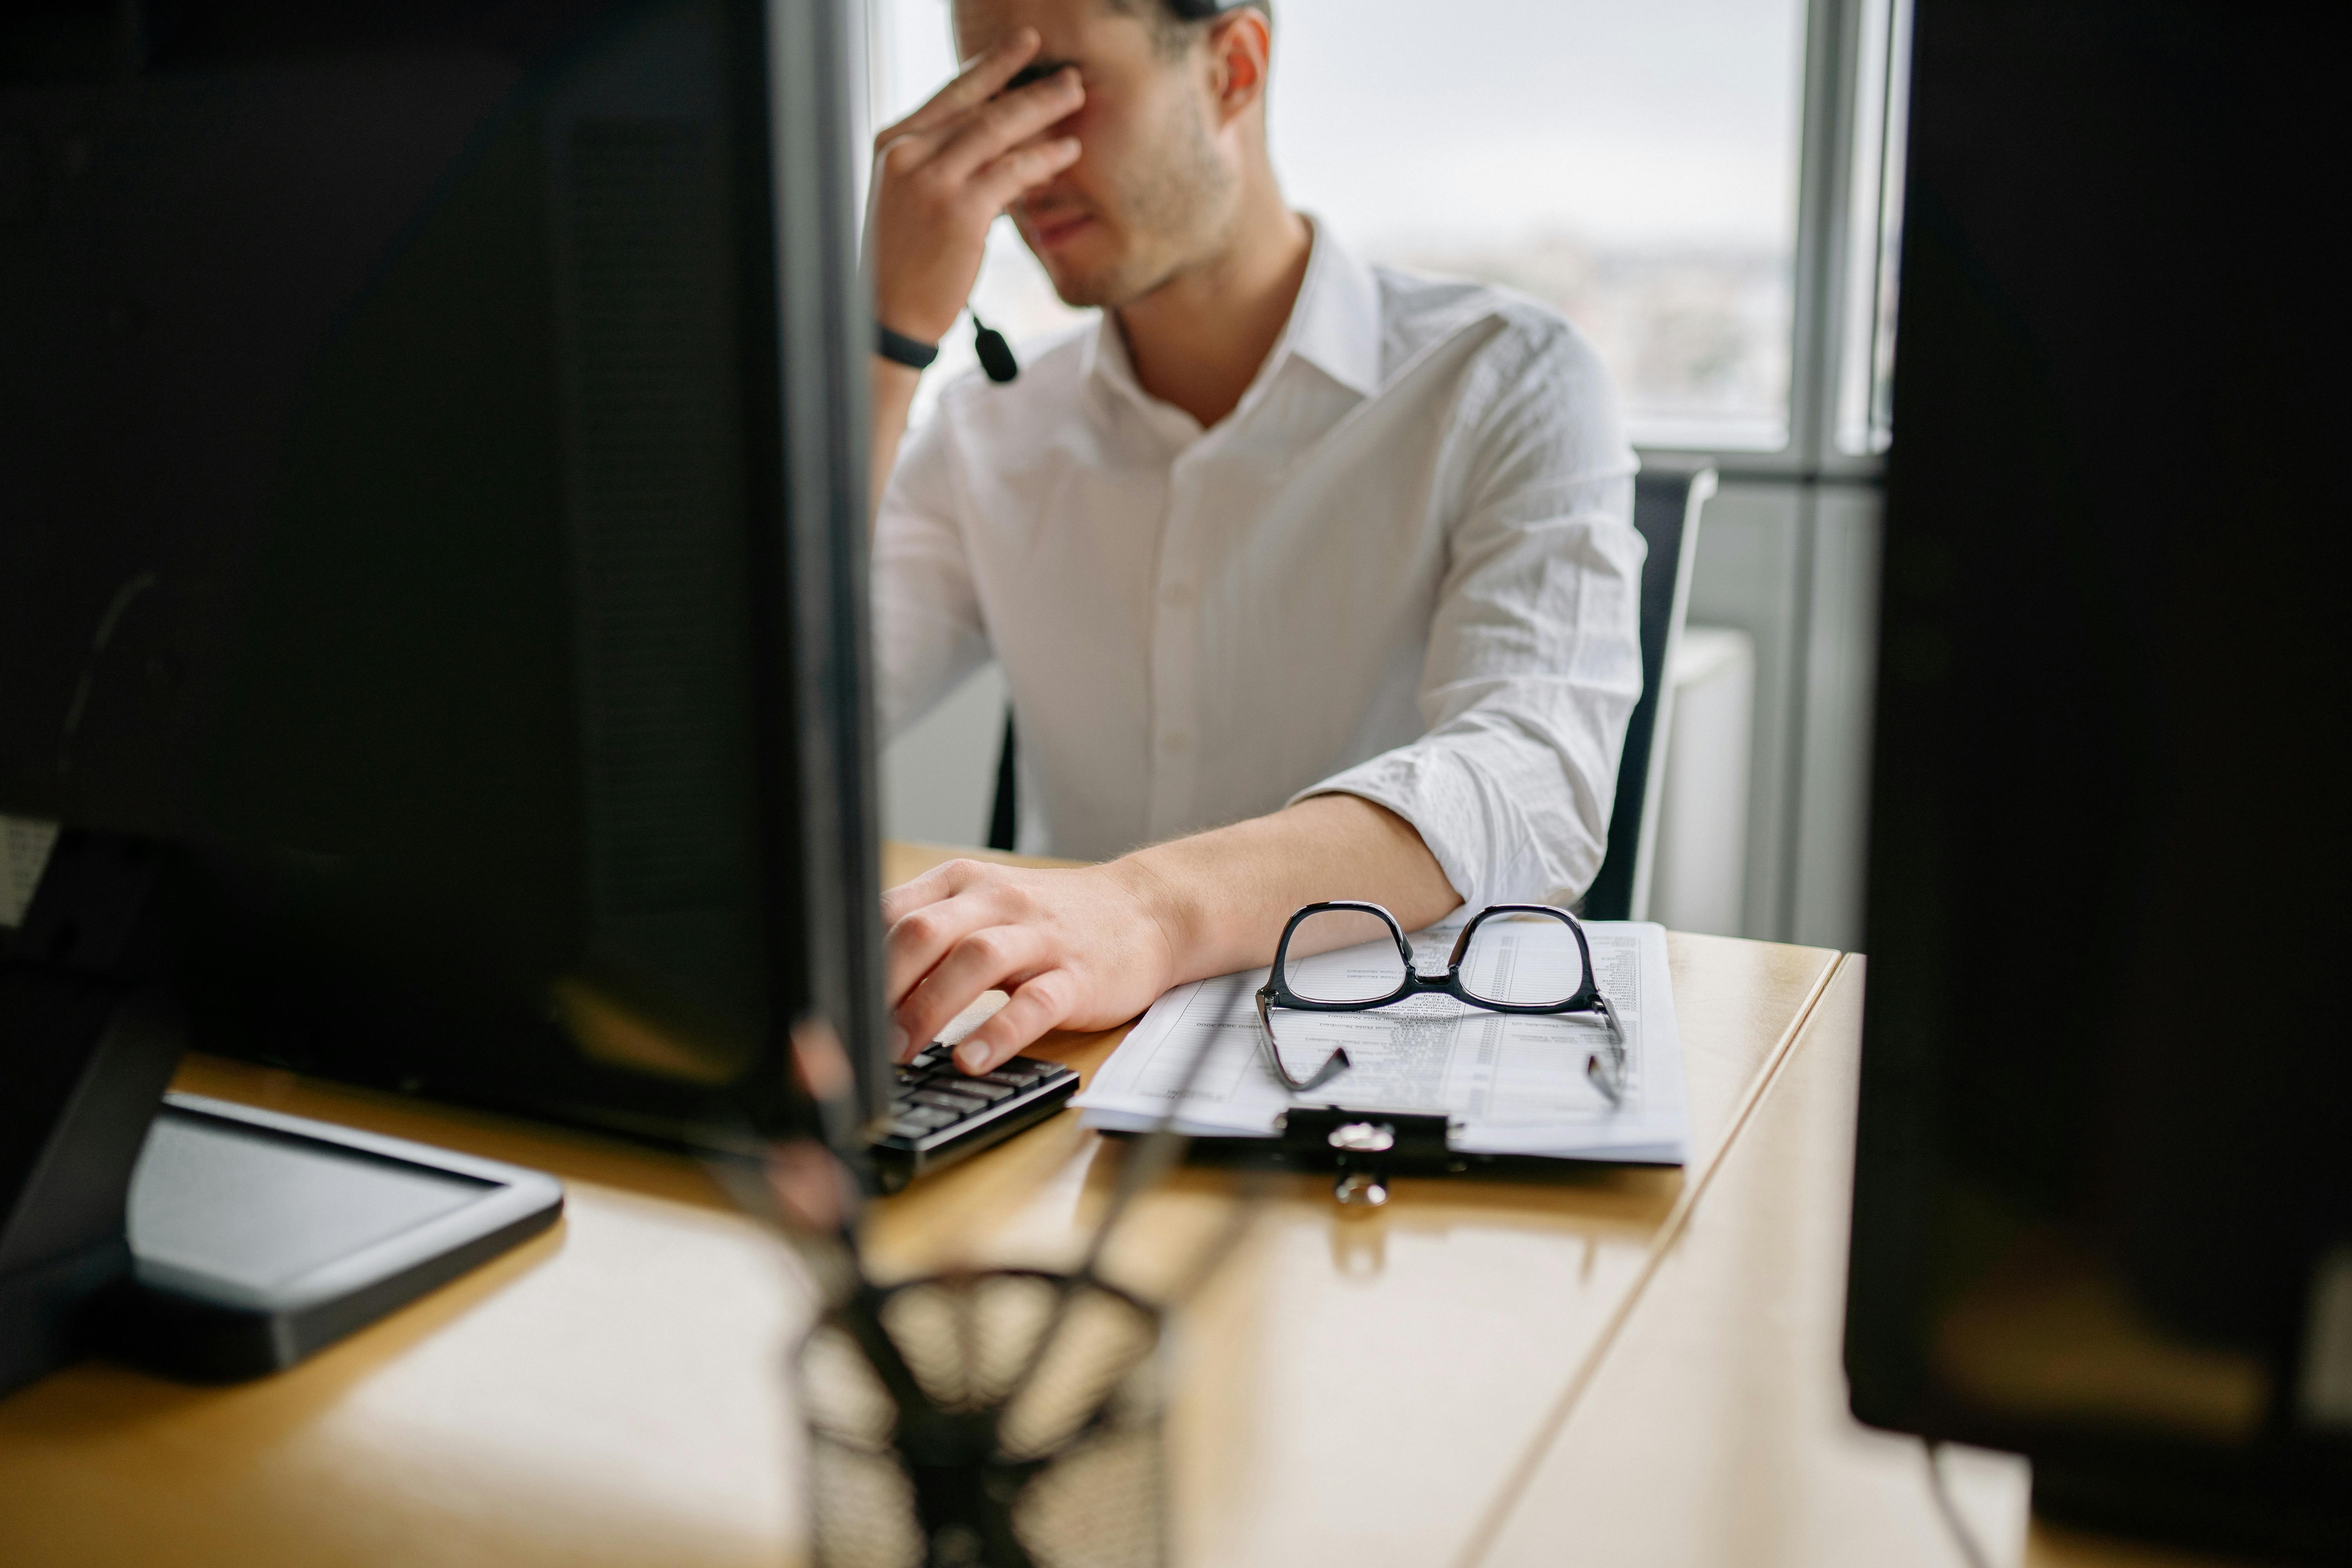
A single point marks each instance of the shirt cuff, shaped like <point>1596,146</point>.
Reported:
<point>1490,847</point>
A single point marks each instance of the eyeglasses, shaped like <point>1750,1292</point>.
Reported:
<point>1348,957</point>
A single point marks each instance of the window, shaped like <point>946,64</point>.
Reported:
<point>1633,165</point>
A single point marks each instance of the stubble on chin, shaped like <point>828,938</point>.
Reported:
<point>1137,265</point>
<point>1091,289</point>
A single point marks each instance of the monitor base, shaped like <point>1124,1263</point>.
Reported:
<point>258,1238</point>
<point>41,1310</point>
<point>191,1236</point>
<point>90,1035</point>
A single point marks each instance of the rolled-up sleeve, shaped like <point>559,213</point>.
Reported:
<point>1534,661</point>
<point>928,634</point>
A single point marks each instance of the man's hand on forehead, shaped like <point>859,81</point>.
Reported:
<point>944,173</point>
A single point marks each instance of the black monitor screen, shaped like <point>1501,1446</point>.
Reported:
<point>2103,1194</point>
<point>393,448</point>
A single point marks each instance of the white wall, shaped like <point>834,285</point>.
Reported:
<point>939,779</point>
<point>1751,574</point>
<point>1793,563</point>
<point>1700,877</point>
<point>1831,831</point>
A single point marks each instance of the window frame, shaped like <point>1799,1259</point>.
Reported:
<point>1838,65</point>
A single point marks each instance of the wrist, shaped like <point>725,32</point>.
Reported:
<point>924,325</point>
<point>898,348</point>
<point>1164,902</point>
<point>893,381</point>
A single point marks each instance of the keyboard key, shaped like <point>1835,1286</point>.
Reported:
<point>959,1104</point>
<point>980,1087</point>
<point>920,1120</point>
<point>1011,1081</point>
<point>1025,1070</point>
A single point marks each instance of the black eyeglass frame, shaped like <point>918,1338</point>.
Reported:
<point>1609,1076</point>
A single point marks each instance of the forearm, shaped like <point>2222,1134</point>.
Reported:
<point>1089,948</point>
<point>893,387</point>
<point>1220,896</point>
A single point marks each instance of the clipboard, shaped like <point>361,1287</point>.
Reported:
<point>1199,1045</point>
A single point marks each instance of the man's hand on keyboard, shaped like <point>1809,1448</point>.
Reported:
<point>1091,948</point>
<point>1082,948</point>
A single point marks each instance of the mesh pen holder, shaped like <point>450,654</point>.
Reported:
<point>1008,1418</point>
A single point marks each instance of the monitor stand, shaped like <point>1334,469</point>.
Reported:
<point>196,1238</point>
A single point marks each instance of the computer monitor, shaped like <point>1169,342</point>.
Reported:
<point>2103,1207</point>
<point>432,515</point>
<point>430,438</point>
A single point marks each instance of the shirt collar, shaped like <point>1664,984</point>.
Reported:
<point>1335,325</point>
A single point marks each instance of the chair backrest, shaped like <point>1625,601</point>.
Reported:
<point>1004,815</point>
<point>1667,504</point>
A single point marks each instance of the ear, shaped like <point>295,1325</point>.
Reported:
<point>1240,50</point>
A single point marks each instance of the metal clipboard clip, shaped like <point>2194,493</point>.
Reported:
<point>1361,1148</point>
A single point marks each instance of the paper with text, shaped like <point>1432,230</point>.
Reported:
<point>1512,1084</point>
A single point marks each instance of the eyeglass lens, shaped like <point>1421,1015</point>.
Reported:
<point>1342,955</point>
<point>1524,960</point>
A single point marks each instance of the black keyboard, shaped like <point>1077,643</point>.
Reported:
<point>939,1115</point>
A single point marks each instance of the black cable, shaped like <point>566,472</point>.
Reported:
<point>1962,1536</point>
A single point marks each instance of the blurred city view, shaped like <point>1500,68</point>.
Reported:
<point>1698,335</point>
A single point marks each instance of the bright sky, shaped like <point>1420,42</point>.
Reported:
<point>1625,121</point>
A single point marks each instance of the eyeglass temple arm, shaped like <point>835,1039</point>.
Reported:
<point>1609,1077</point>
<point>1333,1065</point>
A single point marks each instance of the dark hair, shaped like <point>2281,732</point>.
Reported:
<point>1174,24</point>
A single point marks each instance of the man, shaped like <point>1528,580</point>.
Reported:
<point>1336,557</point>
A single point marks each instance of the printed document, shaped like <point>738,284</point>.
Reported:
<point>1512,1084</point>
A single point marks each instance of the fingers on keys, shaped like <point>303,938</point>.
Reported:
<point>1040,1003</point>
<point>996,957</point>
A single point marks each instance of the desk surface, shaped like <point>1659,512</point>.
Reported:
<point>1419,1385</point>
<point>1725,1391</point>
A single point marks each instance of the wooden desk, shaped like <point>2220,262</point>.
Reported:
<point>1347,1389</point>
<point>1716,1429</point>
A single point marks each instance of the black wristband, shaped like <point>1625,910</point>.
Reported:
<point>903,350</point>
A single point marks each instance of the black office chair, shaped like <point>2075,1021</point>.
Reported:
<point>1667,504</point>
<point>1004,813</point>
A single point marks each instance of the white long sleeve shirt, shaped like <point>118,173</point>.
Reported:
<point>1403,568</point>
